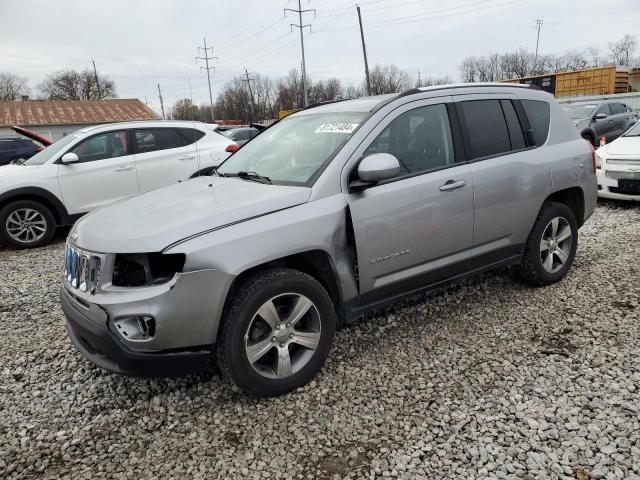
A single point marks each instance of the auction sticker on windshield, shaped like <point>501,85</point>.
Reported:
<point>337,128</point>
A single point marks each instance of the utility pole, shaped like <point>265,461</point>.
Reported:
<point>539,23</point>
<point>419,79</point>
<point>161,102</point>
<point>300,26</point>
<point>206,59</point>
<point>248,79</point>
<point>364,51</point>
<point>95,72</point>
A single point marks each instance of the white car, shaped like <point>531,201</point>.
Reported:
<point>99,165</point>
<point>618,167</point>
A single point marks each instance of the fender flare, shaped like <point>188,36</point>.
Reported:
<point>37,193</point>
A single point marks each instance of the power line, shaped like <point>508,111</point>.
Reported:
<point>206,58</point>
<point>420,18</point>
<point>301,27</point>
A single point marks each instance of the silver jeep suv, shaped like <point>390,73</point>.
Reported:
<point>329,213</point>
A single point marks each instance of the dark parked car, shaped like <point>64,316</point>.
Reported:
<point>241,135</point>
<point>17,150</point>
<point>601,119</point>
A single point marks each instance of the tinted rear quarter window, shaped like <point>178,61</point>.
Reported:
<point>190,135</point>
<point>538,114</point>
<point>487,128</point>
<point>513,124</point>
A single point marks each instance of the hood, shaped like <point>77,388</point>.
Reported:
<point>32,135</point>
<point>7,170</point>
<point>625,146</point>
<point>152,221</point>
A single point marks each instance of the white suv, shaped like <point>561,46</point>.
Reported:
<point>98,165</point>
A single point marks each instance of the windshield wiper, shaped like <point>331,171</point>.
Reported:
<point>253,176</point>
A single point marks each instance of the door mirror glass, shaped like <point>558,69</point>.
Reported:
<point>378,167</point>
<point>68,158</point>
<point>600,116</point>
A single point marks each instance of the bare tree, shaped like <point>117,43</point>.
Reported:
<point>596,59</point>
<point>622,51</point>
<point>12,87</point>
<point>75,85</point>
<point>184,109</point>
<point>388,79</point>
<point>429,81</point>
<point>352,91</point>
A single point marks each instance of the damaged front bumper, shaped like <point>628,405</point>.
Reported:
<point>178,323</point>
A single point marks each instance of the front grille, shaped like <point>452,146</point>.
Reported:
<point>81,269</point>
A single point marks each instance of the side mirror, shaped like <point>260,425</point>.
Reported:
<point>600,116</point>
<point>68,158</point>
<point>375,168</point>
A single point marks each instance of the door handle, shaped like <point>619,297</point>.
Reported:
<point>187,157</point>
<point>452,185</point>
<point>124,168</point>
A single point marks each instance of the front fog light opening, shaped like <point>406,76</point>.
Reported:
<point>136,328</point>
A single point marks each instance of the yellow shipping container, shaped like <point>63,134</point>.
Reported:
<point>591,81</point>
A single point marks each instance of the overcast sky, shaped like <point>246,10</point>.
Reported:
<point>139,43</point>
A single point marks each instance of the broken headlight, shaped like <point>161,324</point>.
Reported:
<point>145,269</point>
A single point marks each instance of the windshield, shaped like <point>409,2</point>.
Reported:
<point>296,148</point>
<point>577,112</point>
<point>51,151</point>
<point>633,131</point>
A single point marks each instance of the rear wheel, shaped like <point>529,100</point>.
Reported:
<point>26,224</point>
<point>552,244</point>
<point>277,332</point>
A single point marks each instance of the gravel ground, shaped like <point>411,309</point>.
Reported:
<point>487,378</point>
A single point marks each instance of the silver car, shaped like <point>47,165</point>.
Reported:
<point>595,120</point>
<point>331,212</point>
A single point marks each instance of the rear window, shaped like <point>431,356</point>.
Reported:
<point>487,127</point>
<point>538,114</point>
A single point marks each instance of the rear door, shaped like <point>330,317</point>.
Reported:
<point>417,228</point>
<point>511,179</point>
<point>163,157</point>
<point>105,172</point>
<point>618,114</point>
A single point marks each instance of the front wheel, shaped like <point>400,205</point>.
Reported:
<point>552,245</point>
<point>277,332</point>
<point>26,224</point>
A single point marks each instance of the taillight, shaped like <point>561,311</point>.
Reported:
<point>593,158</point>
<point>39,149</point>
<point>234,147</point>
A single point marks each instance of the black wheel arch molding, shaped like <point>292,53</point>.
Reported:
<point>43,195</point>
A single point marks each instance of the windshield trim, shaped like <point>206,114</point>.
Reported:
<point>314,178</point>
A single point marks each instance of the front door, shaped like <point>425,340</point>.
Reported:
<point>415,229</point>
<point>162,158</point>
<point>105,172</point>
<point>604,127</point>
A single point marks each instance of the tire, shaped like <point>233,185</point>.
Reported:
<point>537,268</point>
<point>41,224</point>
<point>269,339</point>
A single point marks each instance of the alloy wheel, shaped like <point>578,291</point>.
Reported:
<point>26,225</point>
<point>283,336</point>
<point>555,245</point>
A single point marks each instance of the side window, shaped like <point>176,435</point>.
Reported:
<point>102,146</point>
<point>420,139</point>
<point>190,135</point>
<point>155,139</point>
<point>513,124</point>
<point>487,127</point>
<point>604,109</point>
<point>538,114</point>
<point>616,108</point>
